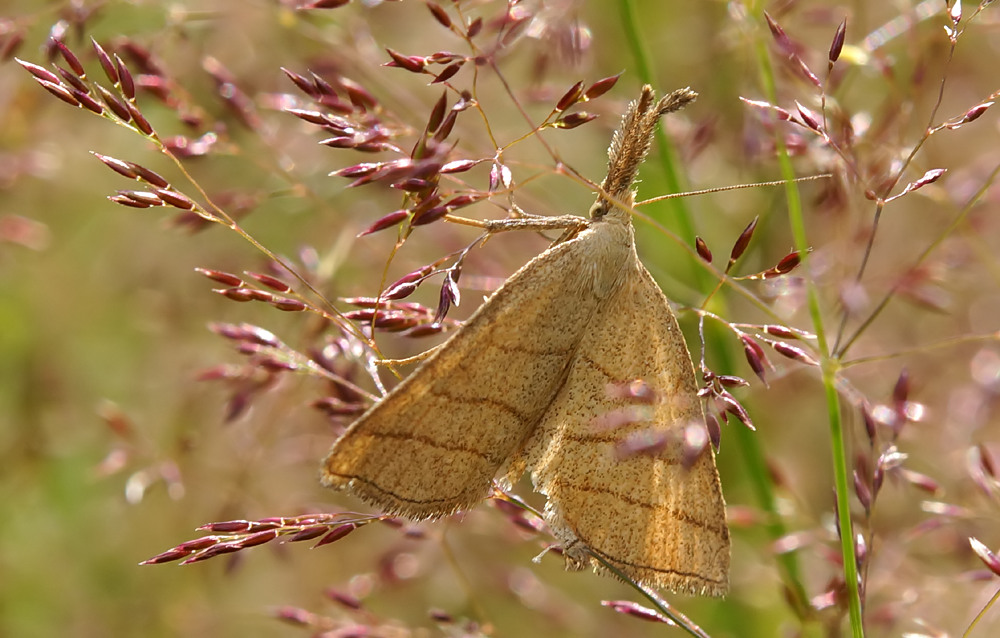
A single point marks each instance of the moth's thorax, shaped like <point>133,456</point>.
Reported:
<point>611,253</point>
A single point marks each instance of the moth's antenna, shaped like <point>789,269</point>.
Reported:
<point>631,141</point>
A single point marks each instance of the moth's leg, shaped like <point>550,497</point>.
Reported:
<point>521,213</point>
<point>408,360</point>
<point>561,222</point>
<point>523,220</point>
<point>577,554</point>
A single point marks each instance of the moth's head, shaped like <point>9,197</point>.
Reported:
<point>605,208</point>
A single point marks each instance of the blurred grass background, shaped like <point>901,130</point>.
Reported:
<point>102,315</point>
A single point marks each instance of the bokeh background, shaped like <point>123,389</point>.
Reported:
<point>111,450</point>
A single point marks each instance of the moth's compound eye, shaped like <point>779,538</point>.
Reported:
<point>599,209</point>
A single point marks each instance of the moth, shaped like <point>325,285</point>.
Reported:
<point>524,385</point>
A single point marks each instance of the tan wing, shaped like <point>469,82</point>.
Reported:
<point>433,445</point>
<point>657,522</point>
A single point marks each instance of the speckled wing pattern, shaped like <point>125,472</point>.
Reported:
<point>655,520</point>
<point>433,445</point>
